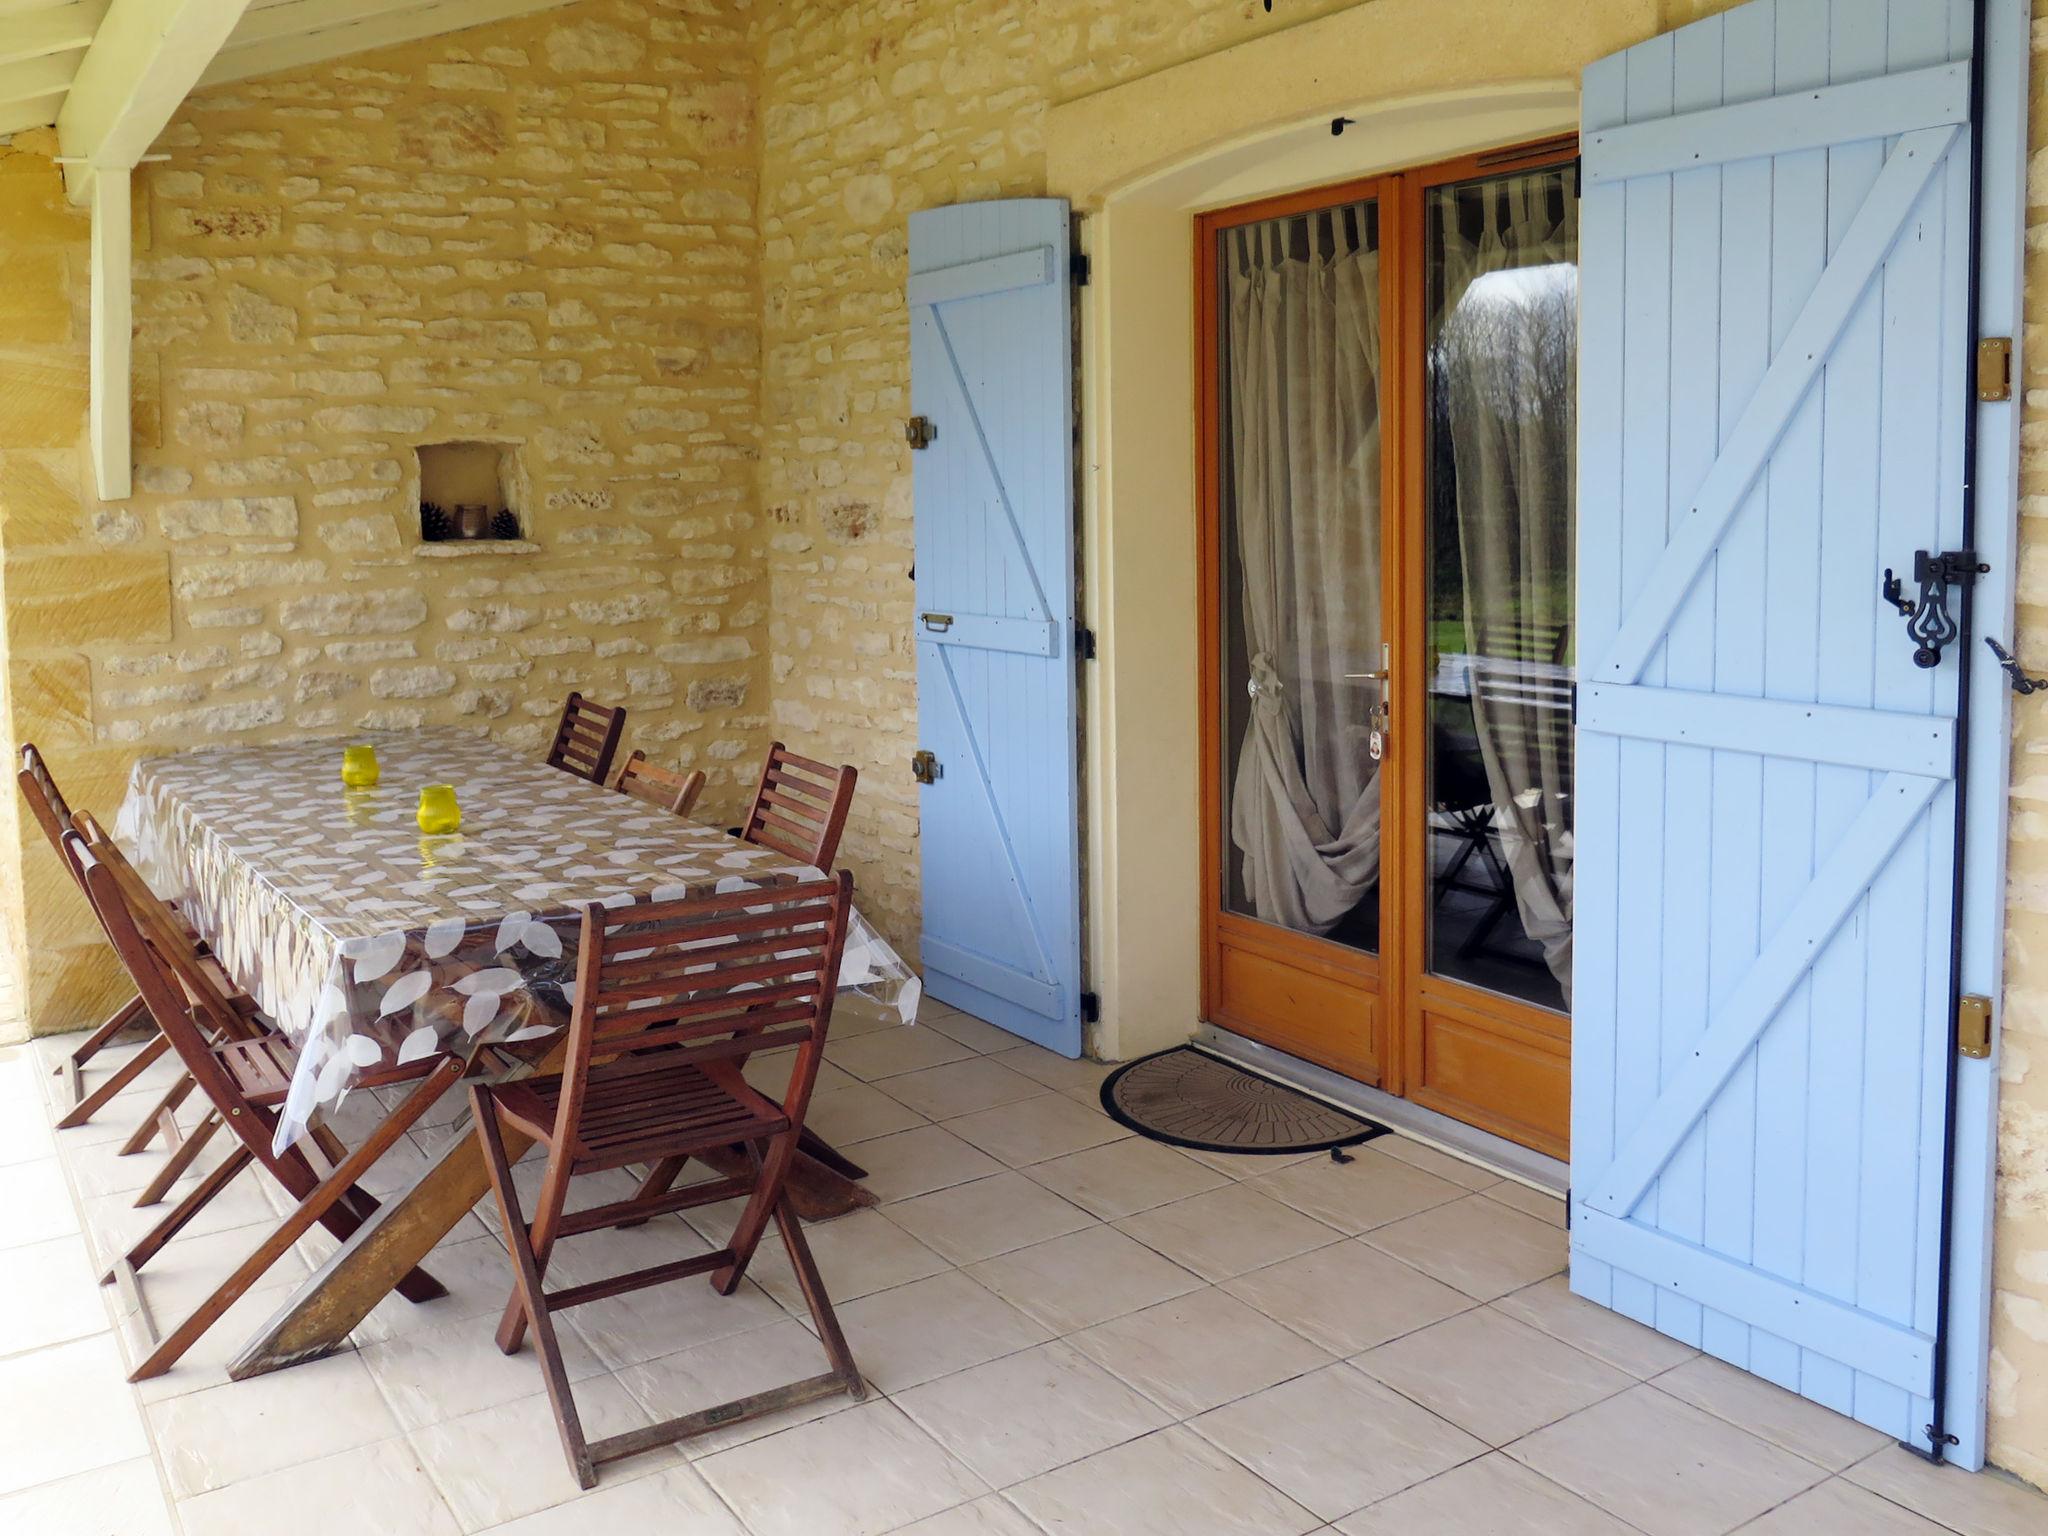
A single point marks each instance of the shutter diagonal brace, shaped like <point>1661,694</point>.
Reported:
<point>1841,286</point>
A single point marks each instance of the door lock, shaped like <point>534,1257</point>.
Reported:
<point>924,767</point>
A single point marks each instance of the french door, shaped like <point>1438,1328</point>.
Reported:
<point>1387,376</point>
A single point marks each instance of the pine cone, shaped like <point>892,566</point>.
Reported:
<point>433,521</point>
<point>505,525</point>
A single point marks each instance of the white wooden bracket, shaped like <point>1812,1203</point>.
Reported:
<point>112,334</point>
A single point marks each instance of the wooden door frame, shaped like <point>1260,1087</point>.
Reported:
<point>1397,975</point>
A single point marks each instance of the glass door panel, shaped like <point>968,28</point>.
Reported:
<point>1500,305</point>
<point>1303,663</point>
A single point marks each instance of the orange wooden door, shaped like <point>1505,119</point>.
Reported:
<point>1350,676</point>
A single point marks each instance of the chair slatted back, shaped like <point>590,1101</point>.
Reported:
<point>674,792</point>
<point>1519,639</point>
<point>169,945</point>
<point>46,801</point>
<point>586,738</point>
<point>800,807</point>
<point>713,979</point>
<point>152,961</point>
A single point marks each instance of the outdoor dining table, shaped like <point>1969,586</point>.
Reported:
<point>335,912</point>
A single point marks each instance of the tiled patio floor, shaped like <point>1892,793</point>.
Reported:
<point>1069,1330</point>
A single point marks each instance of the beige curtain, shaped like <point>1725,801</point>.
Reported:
<point>1302,351</point>
<point>1506,375</point>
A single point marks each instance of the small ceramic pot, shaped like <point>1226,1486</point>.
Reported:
<point>359,767</point>
<point>438,811</point>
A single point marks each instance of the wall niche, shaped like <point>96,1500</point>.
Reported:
<point>472,499</point>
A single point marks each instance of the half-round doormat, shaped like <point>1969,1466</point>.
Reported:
<point>1188,1098</point>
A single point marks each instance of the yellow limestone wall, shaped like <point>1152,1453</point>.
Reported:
<point>539,233</point>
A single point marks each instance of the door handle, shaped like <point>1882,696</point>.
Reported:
<point>937,623</point>
<point>924,767</point>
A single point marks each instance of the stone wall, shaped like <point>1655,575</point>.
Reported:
<point>539,233</point>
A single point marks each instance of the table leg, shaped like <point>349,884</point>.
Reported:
<point>316,1319</point>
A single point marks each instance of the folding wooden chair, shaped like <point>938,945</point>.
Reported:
<point>670,1001</point>
<point>800,807</point>
<point>54,815</point>
<point>245,1071</point>
<point>586,738</point>
<point>672,791</point>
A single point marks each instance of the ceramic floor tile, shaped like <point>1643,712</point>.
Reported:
<point>1249,1165</point>
<point>729,1368</point>
<point>858,1112</point>
<point>1347,1296</point>
<point>379,1487</point>
<point>231,1433</point>
<point>1033,1130</point>
<point>1783,1418</point>
<point>1840,1508</point>
<point>48,1294</point>
<point>892,1052</point>
<point>507,1462</point>
<point>205,1365</point>
<point>34,1204</point>
<point>1492,1496</point>
<point>931,1328</point>
<point>1429,1159</point>
<point>961,1088</point>
<point>1369,1191</point>
<point>1084,1278</point>
<point>25,1135</point>
<point>1491,1375</point>
<point>857,1254</point>
<point>1227,1231</point>
<point>672,1500</point>
<point>1121,1178</point>
<point>1975,1504</point>
<point>1199,1351</point>
<point>857,1473</point>
<point>991,1516</point>
<point>122,1500</point>
<point>916,1162</point>
<point>1665,1467</point>
<point>1168,1484</point>
<point>1530,1202</point>
<point>1335,1439</point>
<point>1550,1305</point>
<point>444,1373</point>
<point>1475,1244</point>
<point>83,1413</point>
<point>769,1072</point>
<point>478,1275</point>
<point>1030,1412</point>
<point>971,1032</point>
<point>854,1015</point>
<point>990,1216</point>
<point>642,1325</point>
<point>1054,1070</point>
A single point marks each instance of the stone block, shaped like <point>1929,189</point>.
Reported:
<point>235,517</point>
<point>52,700</point>
<point>58,601</point>
<point>35,301</point>
<point>354,613</point>
<point>39,500</point>
<point>44,396</point>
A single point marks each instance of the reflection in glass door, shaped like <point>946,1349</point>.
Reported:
<point>1303,665</point>
<point>1501,318</point>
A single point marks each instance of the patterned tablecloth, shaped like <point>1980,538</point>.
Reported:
<point>335,912</point>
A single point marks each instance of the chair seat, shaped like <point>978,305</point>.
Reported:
<point>644,1108</point>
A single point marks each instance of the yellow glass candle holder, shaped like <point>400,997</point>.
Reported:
<point>359,767</point>
<point>438,811</point>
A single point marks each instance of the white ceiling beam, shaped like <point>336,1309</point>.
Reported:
<point>274,54</point>
<point>146,58</point>
<point>56,30</point>
<point>50,75</point>
<point>113,332</point>
<point>37,113</point>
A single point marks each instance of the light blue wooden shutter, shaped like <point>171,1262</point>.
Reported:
<point>1774,297</point>
<point>991,369</point>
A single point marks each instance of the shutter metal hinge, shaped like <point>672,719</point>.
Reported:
<point>1994,368</point>
<point>1077,267</point>
<point>920,432</point>
<point>1973,1026</point>
<point>1084,642</point>
<point>1091,1008</point>
<point>924,767</point>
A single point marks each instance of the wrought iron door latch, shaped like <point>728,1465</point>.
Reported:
<point>1928,619</point>
<point>2008,663</point>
